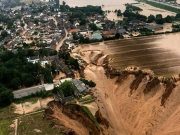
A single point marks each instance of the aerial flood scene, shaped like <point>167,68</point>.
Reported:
<point>97,67</point>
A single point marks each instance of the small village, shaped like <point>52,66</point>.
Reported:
<point>44,30</point>
<point>36,44</point>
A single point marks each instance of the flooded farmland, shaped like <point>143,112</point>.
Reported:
<point>160,53</point>
<point>119,4</point>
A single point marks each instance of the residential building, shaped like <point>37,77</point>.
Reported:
<point>80,87</point>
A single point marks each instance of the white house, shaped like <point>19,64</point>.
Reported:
<point>34,59</point>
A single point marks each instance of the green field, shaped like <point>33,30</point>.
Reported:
<point>7,112</point>
<point>5,127</point>
<point>35,125</point>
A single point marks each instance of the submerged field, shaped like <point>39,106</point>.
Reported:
<point>159,53</point>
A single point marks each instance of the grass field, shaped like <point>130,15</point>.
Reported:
<point>7,112</point>
<point>35,125</point>
<point>5,127</point>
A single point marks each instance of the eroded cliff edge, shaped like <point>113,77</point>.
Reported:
<point>131,102</point>
<point>134,101</point>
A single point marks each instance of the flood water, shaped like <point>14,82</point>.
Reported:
<point>80,3</point>
<point>118,4</point>
<point>160,53</point>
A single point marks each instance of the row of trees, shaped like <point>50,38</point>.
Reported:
<point>89,83</point>
<point>8,21</point>
<point>162,6</point>
<point>16,71</point>
<point>132,7</point>
<point>151,18</point>
<point>130,15</point>
<point>80,13</point>
<point>159,19</point>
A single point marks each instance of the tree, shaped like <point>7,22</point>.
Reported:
<point>28,80</point>
<point>81,39</point>
<point>15,83</point>
<point>67,88</point>
<point>6,97</point>
<point>53,68</point>
<point>93,27</point>
<point>169,19</point>
<point>117,35</point>
<point>83,21</point>
<point>47,75</point>
<point>4,33</point>
<point>159,19</point>
<point>1,28</point>
<point>177,16</point>
<point>119,13</point>
<point>151,18</point>
<point>91,84</point>
<point>55,90</point>
<point>75,36</point>
<point>64,3</point>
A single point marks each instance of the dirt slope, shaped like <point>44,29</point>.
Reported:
<point>72,120</point>
<point>134,106</point>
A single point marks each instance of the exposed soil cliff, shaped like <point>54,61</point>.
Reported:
<point>134,101</point>
<point>73,120</point>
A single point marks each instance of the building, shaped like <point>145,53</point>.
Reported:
<point>63,67</point>
<point>95,36</point>
<point>121,31</point>
<point>80,87</point>
<point>34,59</point>
<point>63,99</point>
<point>154,27</point>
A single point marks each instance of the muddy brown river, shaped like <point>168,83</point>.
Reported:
<point>160,53</point>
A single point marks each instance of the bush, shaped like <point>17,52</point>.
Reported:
<point>89,83</point>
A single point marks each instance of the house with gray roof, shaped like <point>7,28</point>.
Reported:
<point>121,31</point>
<point>79,86</point>
<point>63,67</point>
<point>95,36</point>
<point>154,27</point>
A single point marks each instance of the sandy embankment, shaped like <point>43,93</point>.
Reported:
<point>132,103</point>
<point>73,120</point>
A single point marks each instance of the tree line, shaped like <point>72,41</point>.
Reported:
<point>162,6</point>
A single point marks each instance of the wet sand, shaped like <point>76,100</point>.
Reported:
<point>159,53</point>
